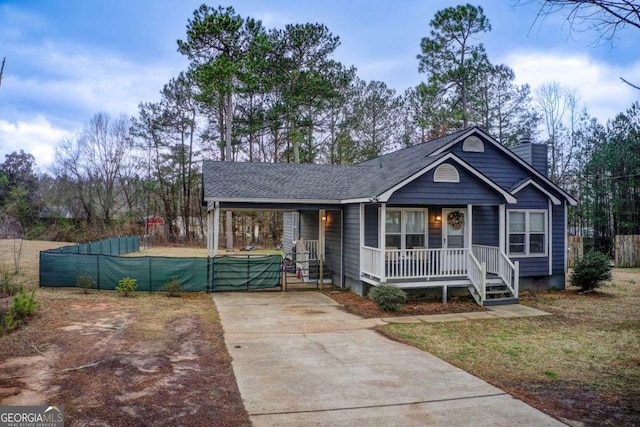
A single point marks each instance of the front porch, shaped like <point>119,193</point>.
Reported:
<point>490,275</point>
<point>453,260</point>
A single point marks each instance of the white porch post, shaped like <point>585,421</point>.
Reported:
<point>502,225</point>
<point>361,222</point>
<point>470,225</point>
<point>550,242</point>
<point>216,228</point>
<point>321,230</point>
<point>382,241</point>
<point>209,230</point>
<point>566,237</point>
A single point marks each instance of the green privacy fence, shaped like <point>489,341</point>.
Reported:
<point>245,272</point>
<point>60,268</point>
<point>111,246</point>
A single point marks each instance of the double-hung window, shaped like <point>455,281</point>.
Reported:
<point>528,232</point>
<point>406,228</point>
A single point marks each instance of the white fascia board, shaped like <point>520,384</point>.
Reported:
<point>572,201</point>
<point>273,201</point>
<point>360,200</point>
<point>508,196</point>
<point>551,197</point>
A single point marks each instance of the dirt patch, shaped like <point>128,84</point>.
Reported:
<point>364,307</point>
<point>146,360</point>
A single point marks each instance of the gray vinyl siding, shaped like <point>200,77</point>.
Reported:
<point>309,225</point>
<point>485,226</point>
<point>435,228</point>
<point>351,241</point>
<point>558,239</point>
<point>287,232</point>
<point>424,191</point>
<point>371,225</point>
<point>531,198</point>
<point>333,245</point>
<point>503,170</point>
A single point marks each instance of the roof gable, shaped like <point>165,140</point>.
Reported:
<point>446,147</point>
<point>452,157</point>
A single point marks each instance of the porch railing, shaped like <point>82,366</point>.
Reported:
<point>478,277</point>
<point>370,261</point>
<point>414,263</point>
<point>310,247</point>
<point>498,263</point>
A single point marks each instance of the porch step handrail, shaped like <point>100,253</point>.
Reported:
<point>510,273</point>
<point>498,262</point>
<point>478,277</point>
<point>308,246</point>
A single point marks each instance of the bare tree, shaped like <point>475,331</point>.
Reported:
<point>96,163</point>
<point>603,17</point>
<point>551,99</point>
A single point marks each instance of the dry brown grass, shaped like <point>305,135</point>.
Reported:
<point>183,252</point>
<point>29,259</point>
<point>108,360</point>
<point>581,364</point>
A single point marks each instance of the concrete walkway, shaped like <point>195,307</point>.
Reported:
<point>301,361</point>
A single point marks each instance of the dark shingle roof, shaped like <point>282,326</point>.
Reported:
<point>290,181</point>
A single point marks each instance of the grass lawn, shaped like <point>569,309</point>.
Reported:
<point>582,364</point>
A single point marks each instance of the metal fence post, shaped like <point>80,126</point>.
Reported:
<point>98,270</point>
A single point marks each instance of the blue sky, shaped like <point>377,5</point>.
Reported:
<point>67,60</point>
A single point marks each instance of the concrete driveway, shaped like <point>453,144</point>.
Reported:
<point>301,361</point>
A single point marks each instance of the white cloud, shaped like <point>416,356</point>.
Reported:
<point>598,84</point>
<point>64,87</point>
<point>36,136</point>
<point>69,76</point>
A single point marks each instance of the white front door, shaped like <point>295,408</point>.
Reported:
<point>454,226</point>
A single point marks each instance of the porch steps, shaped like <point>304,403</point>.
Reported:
<point>497,293</point>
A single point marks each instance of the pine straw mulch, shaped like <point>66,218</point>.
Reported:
<point>418,303</point>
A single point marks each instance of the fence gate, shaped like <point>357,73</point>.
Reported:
<point>245,272</point>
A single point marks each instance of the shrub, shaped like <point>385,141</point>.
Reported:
<point>85,282</point>
<point>388,297</point>
<point>7,323</point>
<point>7,285</point>
<point>126,286</point>
<point>24,304</point>
<point>591,271</point>
<point>173,287</point>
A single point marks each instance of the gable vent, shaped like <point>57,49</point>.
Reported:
<point>446,173</point>
<point>473,144</point>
